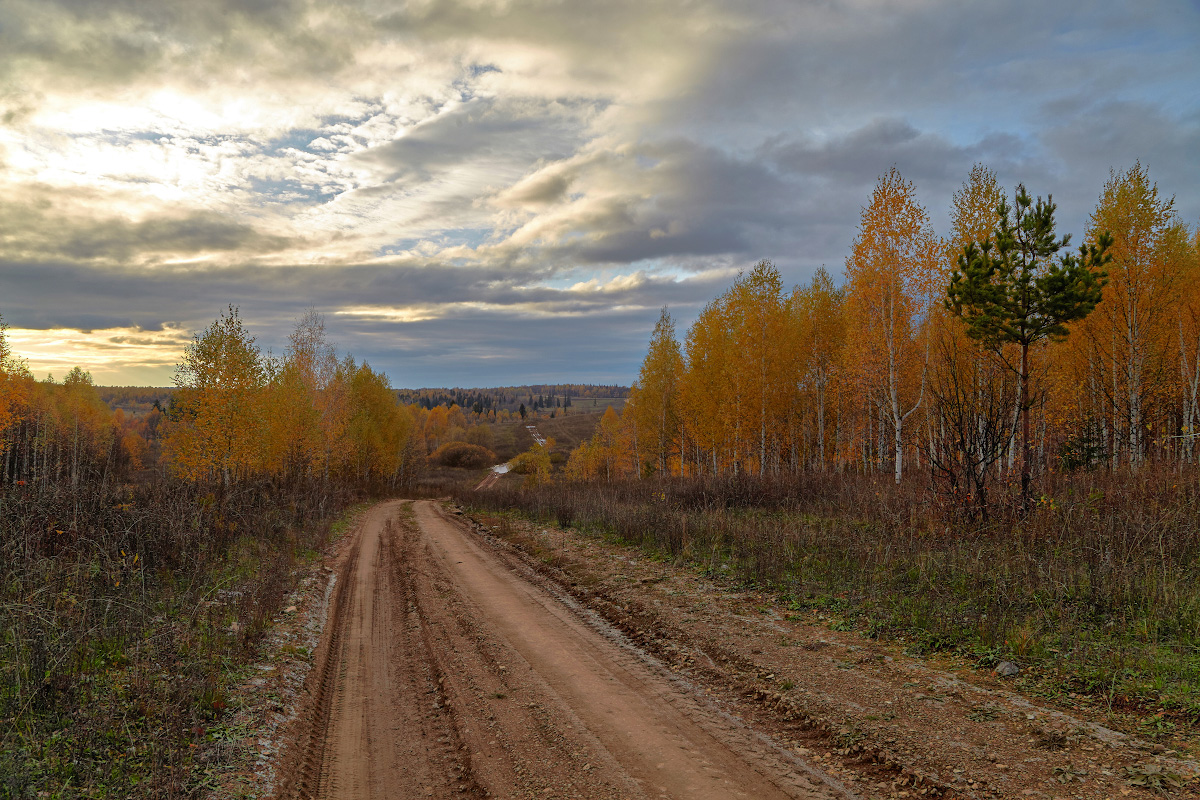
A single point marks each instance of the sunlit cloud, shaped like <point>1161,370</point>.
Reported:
<point>112,356</point>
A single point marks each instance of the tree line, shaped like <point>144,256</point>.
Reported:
<point>236,414</point>
<point>308,414</point>
<point>490,403</point>
<point>987,355</point>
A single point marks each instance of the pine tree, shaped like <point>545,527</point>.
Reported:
<point>1008,289</point>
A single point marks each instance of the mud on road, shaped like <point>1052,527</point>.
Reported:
<point>449,668</point>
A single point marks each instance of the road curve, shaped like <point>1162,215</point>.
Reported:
<point>445,672</point>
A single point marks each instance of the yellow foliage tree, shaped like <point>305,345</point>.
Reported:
<point>216,429</point>
<point>653,405</point>
<point>1133,327</point>
<point>820,327</point>
<point>892,273</point>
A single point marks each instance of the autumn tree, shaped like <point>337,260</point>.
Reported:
<point>1188,339</point>
<point>763,365</point>
<point>8,381</point>
<point>654,402</point>
<point>436,424</point>
<point>216,427</point>
<point>88,428</point>
<point>535,463</point>
<point>1008,289</point>
<point>891,271</point>
<point>739,377</point>
<point>292,442</point>
<point>379,431</point>
<point>973,210</point>
<point>614,444</point>
<point>820,322</point>
<point>705,398</point>
<point>1132,328</point>
<point>325,380</point>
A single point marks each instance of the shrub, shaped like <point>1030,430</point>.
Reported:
<point>463,456</point>
<point>480,435</point>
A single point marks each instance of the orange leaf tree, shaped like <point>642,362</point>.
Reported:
<point>891,272</point>
<point>216,427</point>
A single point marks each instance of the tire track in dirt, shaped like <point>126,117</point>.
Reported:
<point>445,672</point>
<point>303,779</point>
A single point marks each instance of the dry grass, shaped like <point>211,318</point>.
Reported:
<point>1096,593</point>
<point>124,614</point>
<point>567,430</point>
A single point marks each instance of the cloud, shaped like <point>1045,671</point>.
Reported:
<point>44,226</point>
<point>433,171</point>
<point>854,158</point>
<point>1113,135</point>
<point>405,318</point>
<point>111,355</point>
<point>480,129</point>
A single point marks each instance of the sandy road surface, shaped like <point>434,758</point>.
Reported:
<point>445,672</point>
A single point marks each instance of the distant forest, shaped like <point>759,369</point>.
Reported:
<point>511,398</point>
<point>136,400</point>
<point>139,400</point>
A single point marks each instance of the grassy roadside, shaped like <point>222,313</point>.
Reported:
<point>264,692</point>
<point>125,617</point>
<point>1096,596</point>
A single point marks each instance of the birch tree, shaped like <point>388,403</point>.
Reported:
<point>654,402</point>
<point>890,275</point>
<point>217,423</point>
<point>1131,327</point>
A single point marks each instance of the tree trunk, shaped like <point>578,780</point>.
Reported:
<point>821,420</point>
<point>899,454</point>
<point>1025,427</point>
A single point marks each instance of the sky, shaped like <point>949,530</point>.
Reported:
<point>501,192</point>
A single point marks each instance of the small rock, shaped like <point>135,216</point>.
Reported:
<point>1007,669</point>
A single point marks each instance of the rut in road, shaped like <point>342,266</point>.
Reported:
<point>445,672</point>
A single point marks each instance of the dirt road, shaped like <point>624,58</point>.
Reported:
<point>449,669</point>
